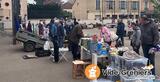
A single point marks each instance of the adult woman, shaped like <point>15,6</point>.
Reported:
<point>105,34</point>
<point>135,41</point>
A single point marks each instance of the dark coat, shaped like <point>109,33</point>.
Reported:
<point>120,29</point>
<point>150,34</point>
<point>76,34</point>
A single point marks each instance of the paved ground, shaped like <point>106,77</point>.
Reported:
<point>15,69</point>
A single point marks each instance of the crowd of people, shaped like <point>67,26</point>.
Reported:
<point>57,31</point>
<point>143,32</point>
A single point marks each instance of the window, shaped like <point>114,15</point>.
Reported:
<point>7,4</point>
<point>135,5</point>
<point>114,16</point>
<point>110,4</point>
<point>137,16</point>
<point>122,4</point>
<point>97,4</point>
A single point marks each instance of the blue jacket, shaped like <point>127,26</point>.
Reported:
<point>120,29</point>
<point>53,31</point>
<point>60,31</point>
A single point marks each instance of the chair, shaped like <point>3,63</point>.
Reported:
<point>62,54</point>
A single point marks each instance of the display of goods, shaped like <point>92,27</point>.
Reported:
<point>114,37</point>
<point>84,42</point>
<point>113,78</point>
<point>92,46</point>
<point>103,52</point>
<point>99,47</point>
<point>130,55</point>
<point>130,64</point>
<point>115,61</point>
<point>113,51</point>
<point>123,49</point>
<point>103,80</point>
<point>94,37</point>
<point>148,78</point>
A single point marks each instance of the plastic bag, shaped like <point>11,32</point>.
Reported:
<point>113,37</point>
<point>47,45</point>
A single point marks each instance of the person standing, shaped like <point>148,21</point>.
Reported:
<point>149,38</point>
<point>75,37</point>
<point>46,33</point>
<point>29,27</point>
<point>40,27</point>
<point>135,39</point>
<point>68,27</point>
<point>54,38</point>
<point>120,31</point>
<point>130,29</point>
<point>61,34</point>
<point>105,34</point>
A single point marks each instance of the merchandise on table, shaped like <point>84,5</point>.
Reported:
<point>115,61</point>
<point>134,63</point>
<point>89,44</point>
<point>148,78</point>
<point>128,60</point>
<point>113,77</point>
<point>103,80</point>
<point>102,48</point>
<point>130,55</point>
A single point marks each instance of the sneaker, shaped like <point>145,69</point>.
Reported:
<point>51,56</point>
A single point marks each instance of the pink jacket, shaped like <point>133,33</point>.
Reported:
<point>105,33</point>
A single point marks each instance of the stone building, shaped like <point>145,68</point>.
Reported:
<point>6,11</point>
<point>98,9</point>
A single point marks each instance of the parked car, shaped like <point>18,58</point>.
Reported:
<point>90,26</point>
<point>30,40</point>
<point>111,25</point>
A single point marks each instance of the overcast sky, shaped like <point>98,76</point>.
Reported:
<point>32,1</point>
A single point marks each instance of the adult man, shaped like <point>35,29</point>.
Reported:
<point>120,31</point>
<point>149,38</point>
<point>54,38</point>
<point>75,36</point>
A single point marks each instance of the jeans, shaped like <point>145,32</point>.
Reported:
<point>151,57</point>
<point>75,51</point>
<point>56,49</point>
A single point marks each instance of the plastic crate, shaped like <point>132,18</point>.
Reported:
<point>115,61</point>
<point>148,78</point>
<point>113,77</point>
<point>104,80</point>
<point>130,64</point>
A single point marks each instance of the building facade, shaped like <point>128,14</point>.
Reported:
<point>6,11</point>
<point>98,9</point>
